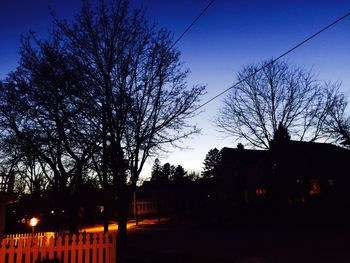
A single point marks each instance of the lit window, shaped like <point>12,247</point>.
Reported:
<point>314,187</point>
<point>260,191</point>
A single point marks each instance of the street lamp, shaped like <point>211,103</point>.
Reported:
<point>33,222</point>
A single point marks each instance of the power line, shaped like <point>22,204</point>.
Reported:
<point>274,60</point>
<point>193,22</point>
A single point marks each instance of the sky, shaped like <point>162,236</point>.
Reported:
<point>230,35</point>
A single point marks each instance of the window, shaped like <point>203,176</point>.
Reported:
<point>315,187</point>
<point>260,191</point>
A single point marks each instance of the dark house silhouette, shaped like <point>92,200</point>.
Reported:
<point>163,198</point>
<point>290,172</point>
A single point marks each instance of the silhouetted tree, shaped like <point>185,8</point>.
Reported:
<point>114,92</point>
<point>179,174</point>
<point>211,162</point>
<point>277,94</point>
<point>31,173</point>
<point>193,175</point>
<point>105,92</point>
<point>281,134</point>
<point>156,173</point>
<point>338,123</point>
<point>43,119</point>
<point>167,172</point>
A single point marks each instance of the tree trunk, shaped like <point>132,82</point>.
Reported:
<point>123,204</point>
<point>122,231</point>
<point>104,170</point>
<point>74,214</point>
<point>105,212</point>
<point>75,204</point>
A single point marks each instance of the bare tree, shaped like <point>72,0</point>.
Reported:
<point>30,172</point>
<point>138,88</point>
<point>41,118</point>
<point>278,94</point>
<point>116,93</point>
<point>337,124</point>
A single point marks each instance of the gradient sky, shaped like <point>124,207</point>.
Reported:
<point>230,35</point>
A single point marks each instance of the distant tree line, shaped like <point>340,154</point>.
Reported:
<point>171,173</point>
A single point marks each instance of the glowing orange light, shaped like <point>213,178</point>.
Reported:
<point>33,222</point>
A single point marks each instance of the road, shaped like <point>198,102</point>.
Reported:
<point>131,225</point>
<point>190,243</point>
<point>220,243</point>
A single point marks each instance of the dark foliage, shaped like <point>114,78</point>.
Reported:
<point>211,163</point>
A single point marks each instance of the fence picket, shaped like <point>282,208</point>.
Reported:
<point>66,248</point>
<point>59,247</point>
<point>94,248</point>
<point>80,248</point>
<point>73,249</point>
<point>11,251</point>
<point>3,251</point>
<point>100,247</point>
<point>35,248</point>
<point>88,247</point>
<point>19,250</point>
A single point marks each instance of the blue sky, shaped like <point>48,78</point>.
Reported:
<point>230,35</point>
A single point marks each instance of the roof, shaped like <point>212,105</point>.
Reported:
<point>247,155</point>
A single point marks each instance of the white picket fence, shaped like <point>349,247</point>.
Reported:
<point>81,248</point>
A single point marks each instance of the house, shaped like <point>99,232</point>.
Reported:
<point>241,172</point>
<point>171,197</point>
<point>289,172</point>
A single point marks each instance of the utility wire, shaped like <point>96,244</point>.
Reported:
<point>193,22</point>
<point>273,60</point>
